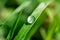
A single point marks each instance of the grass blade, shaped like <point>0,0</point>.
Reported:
<point>36,13</point>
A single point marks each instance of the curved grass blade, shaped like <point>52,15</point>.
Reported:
<point>19,9</point>
<point>36,25</point>
<point>36,13</point>
<point>23,17</point>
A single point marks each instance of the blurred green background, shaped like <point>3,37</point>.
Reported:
<point>15,23</point>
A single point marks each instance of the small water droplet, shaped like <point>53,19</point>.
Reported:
<point>30,19</point>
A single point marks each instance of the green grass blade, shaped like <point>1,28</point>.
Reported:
<point>9,37</point>
<point>20,8</point>
<point>36,26</point>
<point>36,13</point>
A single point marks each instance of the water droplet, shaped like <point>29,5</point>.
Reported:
<point>30,19</point>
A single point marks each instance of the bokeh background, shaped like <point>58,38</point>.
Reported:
<point>48,30</point>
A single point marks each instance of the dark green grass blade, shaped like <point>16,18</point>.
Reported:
<point>25,13</point>
<point>36,13</point>
<point>36,25</point>
<point>9,37</point>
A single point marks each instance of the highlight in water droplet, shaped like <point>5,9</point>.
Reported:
<point>30,19</point>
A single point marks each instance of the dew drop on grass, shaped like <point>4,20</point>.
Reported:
<point>30,19</point>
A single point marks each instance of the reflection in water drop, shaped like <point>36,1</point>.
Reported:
<point>30,19</point>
